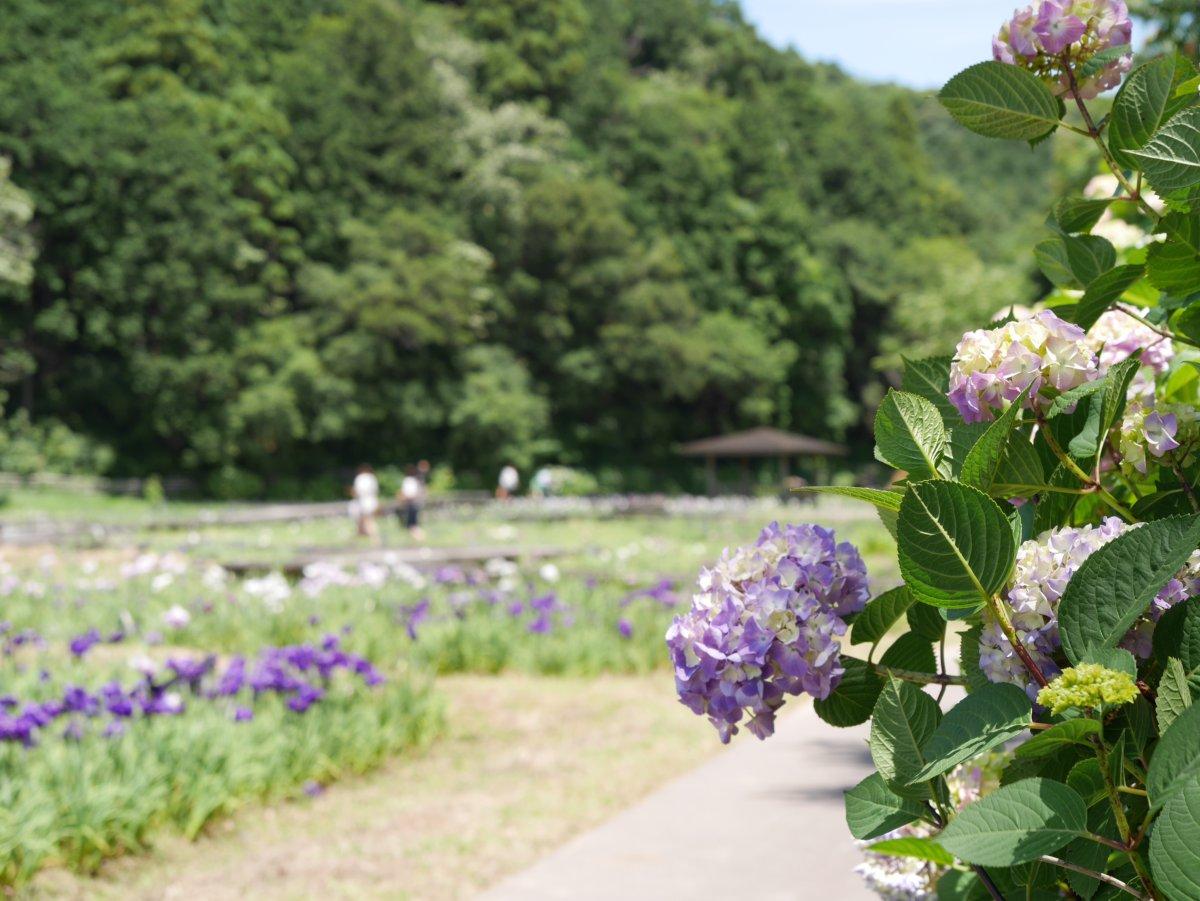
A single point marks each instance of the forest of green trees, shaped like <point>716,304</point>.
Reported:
<point>253,240</point>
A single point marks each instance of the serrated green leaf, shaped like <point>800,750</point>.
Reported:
<point>968,659</point>
<point>1104,291</point>
<point>1016,824</point>
<point>955,545</point>
<point>1074,261</point>
<point>1115,585</point>
<point>1171,159</point>
<point>1001,101</point>
<point>926,622</point>
<point>1052,740</point>
<point>910,651</point>
<point>1173,267</point>
<point>1146,100</point>
<point>852,701</point>
<point>902,723</point>
<point>1175,845</point>
<point>1087,779</point>
<point>1178,634</point>
<point>910,435</point>
<point>1174,694</point>
<point>873,809</point>
<point>911,846</point>
<point>1078,214</point>
<point>1176,760</point>
<point>886,503</point>
<point>979,722</point>
<point>880,615</point>
<point>983,461</point>
<point>930,378</point>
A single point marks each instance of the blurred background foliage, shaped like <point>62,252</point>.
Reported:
<point>253,241</point>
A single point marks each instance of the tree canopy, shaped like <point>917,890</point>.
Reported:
<point>276,238</point>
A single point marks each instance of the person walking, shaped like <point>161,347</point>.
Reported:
<point>412,498</point>
<point>365,503</point>
<point>509,481</point>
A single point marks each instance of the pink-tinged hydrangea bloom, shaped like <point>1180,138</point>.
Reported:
<point>765,624</point>
<point>1146,429</point>
<point>1044,567</point>
<point>991,367</point>
<point>1117,335</point>
<point>1047,35</point>
<point>1056,28</point>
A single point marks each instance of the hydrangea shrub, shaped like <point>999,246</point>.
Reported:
<point>1046,511</point>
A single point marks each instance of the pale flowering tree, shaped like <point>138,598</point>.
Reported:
<point>1047,509</point>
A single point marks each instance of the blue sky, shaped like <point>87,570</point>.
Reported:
<point>920,43</point>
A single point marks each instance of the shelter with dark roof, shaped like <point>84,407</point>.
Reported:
<point>757,444</point>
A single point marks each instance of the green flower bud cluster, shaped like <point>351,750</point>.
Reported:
<point>1088,686</point>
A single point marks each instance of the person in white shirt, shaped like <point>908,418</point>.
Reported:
<point>412,497</point>
<point>510,480</point>
<point>365,505</point>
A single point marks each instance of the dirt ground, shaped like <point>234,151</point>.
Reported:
<point>527,763</point>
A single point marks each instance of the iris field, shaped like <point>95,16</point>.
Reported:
<point>147,690</point>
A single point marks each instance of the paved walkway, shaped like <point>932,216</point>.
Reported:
<point>762,820</point>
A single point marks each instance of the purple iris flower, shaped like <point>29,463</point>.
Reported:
<point>625,627</point>
<point>242,714</point>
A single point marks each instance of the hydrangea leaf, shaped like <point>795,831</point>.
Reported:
<point>1087,779</point>
<point>1016,824</point>
<point>852,701</point>
<point>910,435</point>
<point>880,615</point>
<point>1173,266</point>
<point>1146,100</point>
<point>968,659</point>
<point>1078,214</point>
<point>1117,659</point>
<point>1104,291</point>
<point>911,651</point>
<point>1171,159</point>
<point>912,846</point>
<point>1051,741</point>
<point>1115,585</point>
<point>1176,760</point>
<point>1091,854</point>
<point>886,503</point>
<point>1174,694</point>
<point>902,723</point>
<point>873,809</point>
<point>979,722</point>
<point>955,545</point>
<point>1178,634</point>
<point>963,437</point>
<point>930,378</point>
<point>1175,844</point>
<point>1001,101</point>
<point>984,460</point>
<point>926,621</point>
<point>1074,261</point>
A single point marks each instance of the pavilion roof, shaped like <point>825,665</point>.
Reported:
<point>761,442</point>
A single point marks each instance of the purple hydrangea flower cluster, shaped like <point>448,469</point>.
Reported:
<point>991,367</point>
<point>765,624</point>
<point>301,673</point>
<point>1044,567</point>
<point>1048,36</point>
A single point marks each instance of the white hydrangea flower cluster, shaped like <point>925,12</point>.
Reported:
<point>1044,567</point>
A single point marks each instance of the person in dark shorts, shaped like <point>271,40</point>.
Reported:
<point>411,497</point>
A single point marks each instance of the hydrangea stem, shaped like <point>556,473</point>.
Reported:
<point>998,611</point>
<point>1092,483</point>
<point>1134,193</point>
<point>1101,877</point>
<point>908,675</point>
<point>1114,799</point>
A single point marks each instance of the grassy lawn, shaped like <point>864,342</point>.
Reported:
<point>526,762</point>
